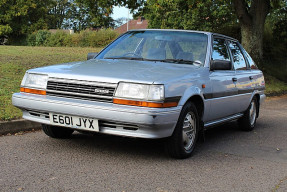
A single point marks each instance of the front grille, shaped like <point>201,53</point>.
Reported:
<point>86,90</point>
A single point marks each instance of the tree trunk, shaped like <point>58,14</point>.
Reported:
<point>252,40</point>
<point>252,20</point>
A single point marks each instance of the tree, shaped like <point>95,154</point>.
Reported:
<point>252,15</point>
<point>210,15</point>
<point>20,17</point>
<point>59,11</point>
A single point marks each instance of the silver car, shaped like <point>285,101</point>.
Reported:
<point>151,84</point>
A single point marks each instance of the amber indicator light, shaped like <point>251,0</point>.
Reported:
<point>34,91</point>
<point>144,103</point>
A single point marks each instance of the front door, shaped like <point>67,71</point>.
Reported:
<point>223,82</point>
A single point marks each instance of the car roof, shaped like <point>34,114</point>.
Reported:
<point>194,31</point>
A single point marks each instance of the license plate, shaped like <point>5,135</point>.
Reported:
<point>74,122</point>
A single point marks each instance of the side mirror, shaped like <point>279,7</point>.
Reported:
<point>92,55</point>
<point>220,65</point>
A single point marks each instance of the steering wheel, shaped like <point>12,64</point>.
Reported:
<point>132,53</point>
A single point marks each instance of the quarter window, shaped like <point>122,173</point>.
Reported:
<point>250,60</point>
<point>238,58</point>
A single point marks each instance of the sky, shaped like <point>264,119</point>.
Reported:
<point>119,12</point>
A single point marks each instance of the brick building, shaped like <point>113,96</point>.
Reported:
<point>140,23</point>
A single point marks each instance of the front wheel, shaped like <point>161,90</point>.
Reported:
<point>57,132</point>
<point>182,142</point>
<point>248,121</point>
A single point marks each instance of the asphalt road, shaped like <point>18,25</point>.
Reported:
<point>229,160</point>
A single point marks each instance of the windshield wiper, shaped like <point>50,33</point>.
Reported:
<point>128,58</point>
<point>181,61</point>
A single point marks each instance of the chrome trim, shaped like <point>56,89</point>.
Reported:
<point>83,82</point>
<point>236,95</point>
<point>79,89</point>
<point>78,94</point>
<point>216,122</point>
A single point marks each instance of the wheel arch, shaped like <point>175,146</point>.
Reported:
<point>197,100</point>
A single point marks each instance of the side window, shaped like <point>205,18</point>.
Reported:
<point>250,60</point>
<point>220,50</point>
<point>238,58</point>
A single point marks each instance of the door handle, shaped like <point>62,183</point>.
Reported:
<point>250,77</point>
<point>234,79</point>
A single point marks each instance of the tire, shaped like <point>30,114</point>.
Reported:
<point>57,132</point>
<point>182,142</point>
<point>248,121</point>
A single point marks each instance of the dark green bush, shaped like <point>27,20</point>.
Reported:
<point>58,39</point>
<point>275,48</point>
<point>31,39</point>
<point>101,38</point>
<point>86,38</point>
<point>42,36</point>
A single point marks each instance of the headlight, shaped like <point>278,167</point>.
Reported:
<point>140,91</point>
<point>37,81</point>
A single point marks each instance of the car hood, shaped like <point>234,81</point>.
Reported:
<point>113,71</point>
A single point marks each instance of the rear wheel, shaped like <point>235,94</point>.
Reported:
<point>182,142</point>
<point>248,121</point>
<point>57,132</point>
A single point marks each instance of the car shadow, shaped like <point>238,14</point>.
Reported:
<point>152,148</point>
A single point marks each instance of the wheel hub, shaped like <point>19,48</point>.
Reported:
<point>252,113</point>
<point>189,130</point>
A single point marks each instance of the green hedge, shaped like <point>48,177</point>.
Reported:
<point>85,38</point>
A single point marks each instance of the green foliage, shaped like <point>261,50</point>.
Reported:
<point>275,43</point>
<point>5,30</point>
<point>85,38</point>
<point>58,39</point>
<point>42,37</point>
<point>20,17</point>
<point>31,39</point>
<point>274,86</point>
<point>211,15</point>
<point>101,38</point>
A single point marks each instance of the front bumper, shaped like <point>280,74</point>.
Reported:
<point>145,122</point>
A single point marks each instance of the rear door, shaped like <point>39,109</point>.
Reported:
<point>255,74</point>
<point>244,79</point>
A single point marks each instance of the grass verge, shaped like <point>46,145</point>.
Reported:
<point>274,87</point>
<point>15,60</point>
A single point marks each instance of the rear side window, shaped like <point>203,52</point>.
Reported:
<point>238,58</point>
<point>220,50</point>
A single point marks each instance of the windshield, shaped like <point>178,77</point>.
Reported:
<point>166,46</point>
